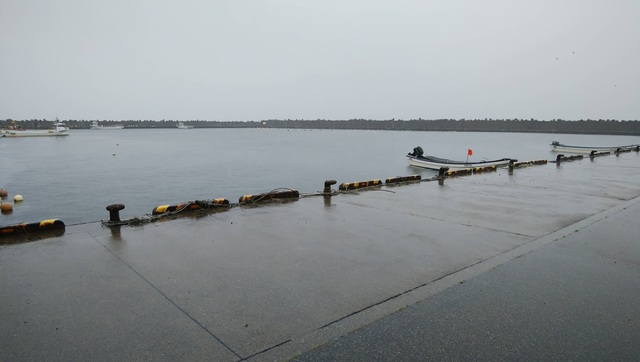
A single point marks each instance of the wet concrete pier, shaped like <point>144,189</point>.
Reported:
<point>541,263</point>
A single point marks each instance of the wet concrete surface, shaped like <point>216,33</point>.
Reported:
<point>274,282</point>
<point>575,299</point>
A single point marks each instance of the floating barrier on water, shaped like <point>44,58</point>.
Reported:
<point>485,169</point>
<point>624,150</point>
<point>593,154</point>
<point>287,194</point>
<point>44,225</point>
<point>358,185</point>
<point>563,158</point>
<point>190,205</point>
<point>460,172</point>
<point>397,179</point>
<point>171,208</point>
<point>527,164</point>
<point>162,211</point>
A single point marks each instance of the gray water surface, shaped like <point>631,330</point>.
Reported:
<point>74,178</point>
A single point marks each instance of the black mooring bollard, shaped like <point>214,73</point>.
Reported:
<point>327,186</point>
<point>114,212</point>
<point>441,175</point>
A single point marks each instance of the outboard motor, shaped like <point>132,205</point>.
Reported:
<point>417,151</point>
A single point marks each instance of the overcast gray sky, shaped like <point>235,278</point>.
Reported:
<point>310,59</point>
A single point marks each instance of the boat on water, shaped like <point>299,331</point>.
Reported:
<point>95,125</point>
<point>181,125</point>
<point>57,129</point>
<point>418,159</point>
<point>559,147</point>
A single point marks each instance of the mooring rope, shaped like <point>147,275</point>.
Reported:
<point>212,204</point>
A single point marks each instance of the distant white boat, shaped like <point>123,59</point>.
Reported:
<point>95,125</point>
<point>559,147</point>
<point>181,125</point>
<point>58,129</point>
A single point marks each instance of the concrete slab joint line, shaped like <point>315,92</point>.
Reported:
<point>184,312</point>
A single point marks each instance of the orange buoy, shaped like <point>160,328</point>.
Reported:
<point>3,193</point>
<point>6,207</point>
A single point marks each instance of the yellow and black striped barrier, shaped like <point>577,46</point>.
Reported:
<point>460,172</point>
<point>562,158</point>
<point>623,150</point>
<point>526,164</point>
<point>44,225</point>
<point>287,194</point>
<point>534,162</point>
<point>485,169</point>
<point>397,179</point>
<point>358,185</point>
<point>191,205</point>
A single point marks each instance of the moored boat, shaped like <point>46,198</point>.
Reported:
<point>57,129</point>
<point>95,125</point>
<point>559,147</point>
<point>418,159</point>
<point>181,125</point>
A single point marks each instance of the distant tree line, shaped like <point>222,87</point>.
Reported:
<point>589,126</point>
<point>475,125</point>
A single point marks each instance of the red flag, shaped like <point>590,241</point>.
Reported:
<point>470,152</point>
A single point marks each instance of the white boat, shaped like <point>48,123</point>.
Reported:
<point>95,125</point>
<point>181,125</point>
<point>58,129</point>
<point>418,159</point>
<point>559,147</point>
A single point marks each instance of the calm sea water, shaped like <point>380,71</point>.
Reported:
<point>74,178</point>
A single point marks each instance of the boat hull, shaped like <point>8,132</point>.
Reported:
<point>59,129</point>
<point>454,166</point>
<point>181,125</point>
<point>96,126</point>
<point>34,134</point>
<point>559,147</point>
